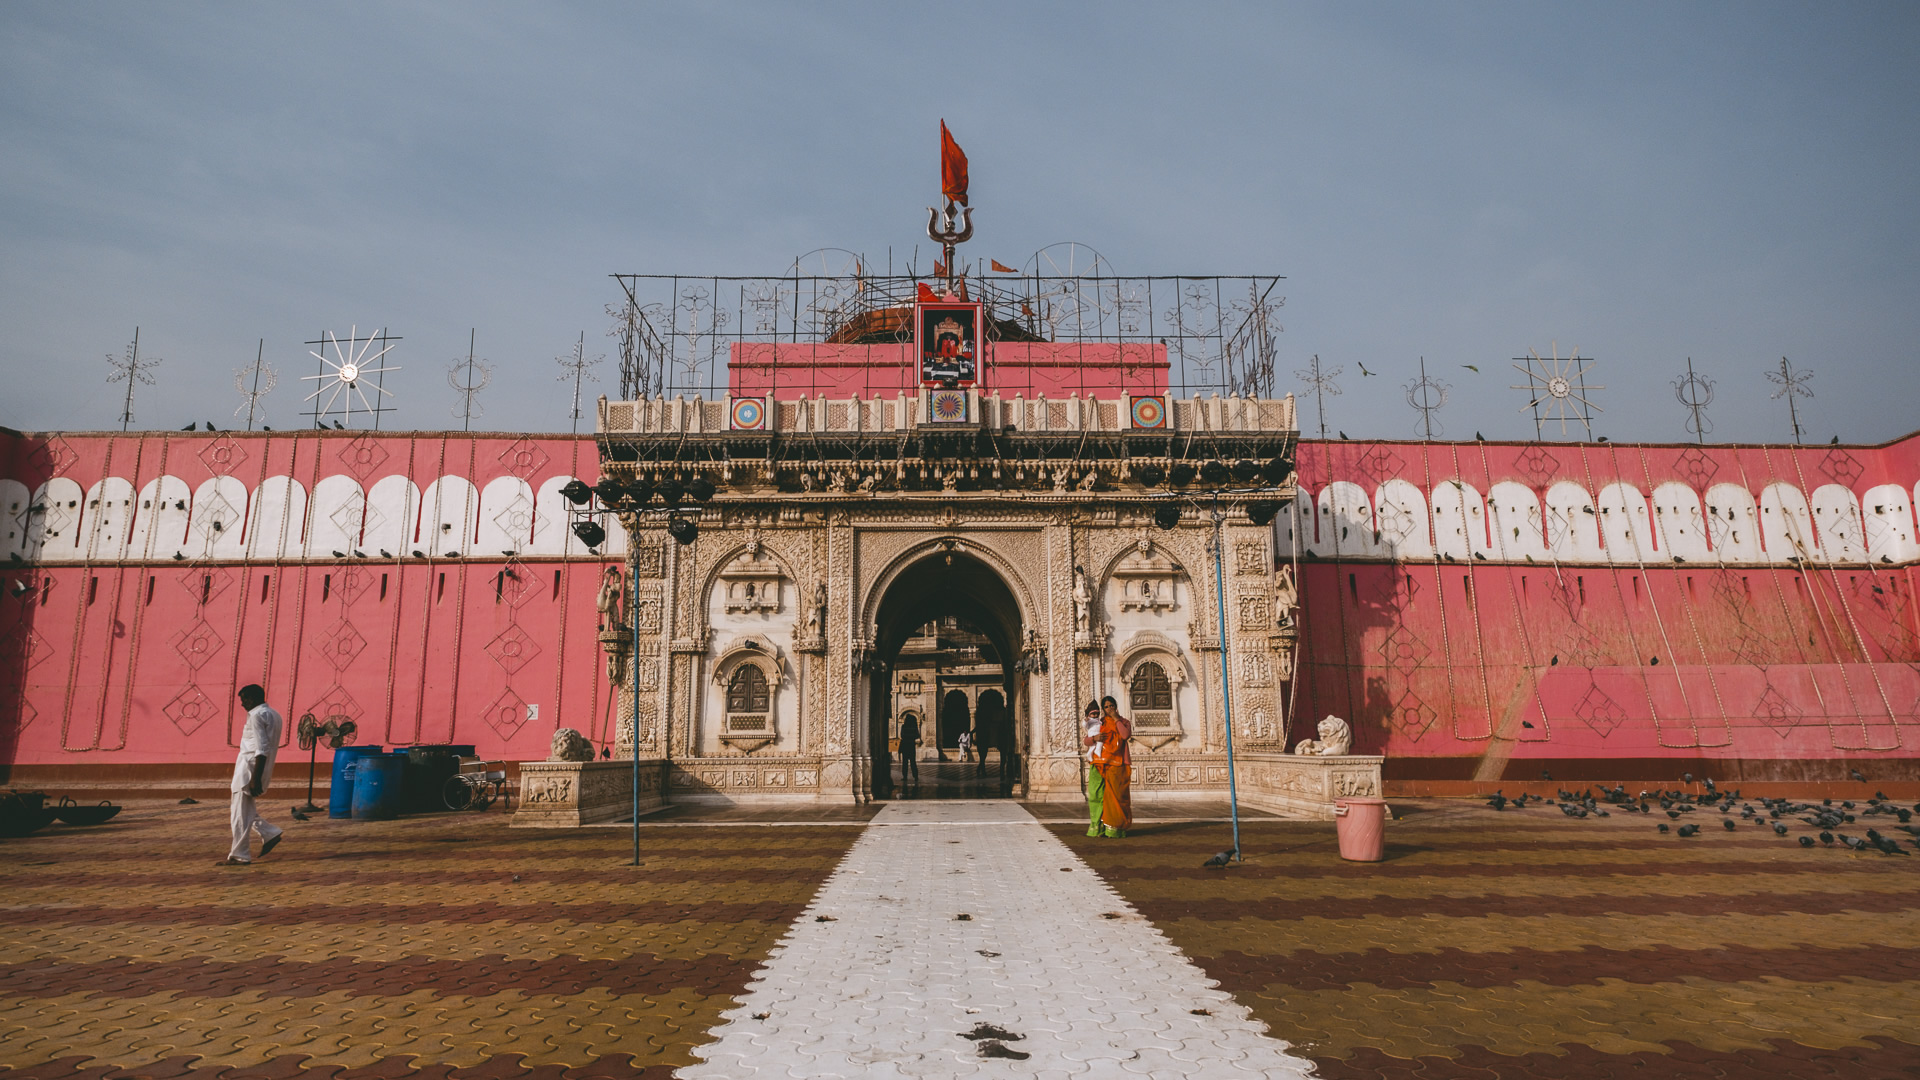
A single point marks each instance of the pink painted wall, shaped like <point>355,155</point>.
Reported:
<point>1056,369</point>
<point>138,662</point>
<point>1485,617</point>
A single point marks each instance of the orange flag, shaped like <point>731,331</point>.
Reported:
<point>927,296</point>
<point>939,268</point>
<point>998,268</point>
<point>953,167</point>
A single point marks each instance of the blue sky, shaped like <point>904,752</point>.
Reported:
<point>1462,182</point>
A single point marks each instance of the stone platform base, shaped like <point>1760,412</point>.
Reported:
<point>561,794</point>
<point>1294,785</point>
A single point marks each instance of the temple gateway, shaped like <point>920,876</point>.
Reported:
<point>981,527</point>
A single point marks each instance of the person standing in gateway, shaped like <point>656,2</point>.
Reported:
<point>910,749</point>
<point>252,771</point>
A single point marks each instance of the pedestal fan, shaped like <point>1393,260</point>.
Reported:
<point>338,731</point>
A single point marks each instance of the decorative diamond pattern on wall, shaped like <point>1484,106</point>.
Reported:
<point>1696,467</point>
<point>340,643</point>
<point>1599,711</point>
<point>1774,710</point>
<point>190,709</point>
<point>1538,465</point>
<point>361,456</point>
<point>206,583</point>
<point>513,648</point>
<point>1411,716</point>
<point>524,458</point>
<point>507,715</point>
<point>1841,467</point>
<point>197,644</point>
<point>223,455</point>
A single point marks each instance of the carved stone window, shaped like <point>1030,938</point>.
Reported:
<point>1151,694</point>
<point>1146,580</point>
<point>747,691</point>
<point>749,672</point>
<point>1151,670</point>
<point>751,584</point>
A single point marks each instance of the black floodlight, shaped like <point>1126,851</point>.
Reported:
<point>577,492</point>
<point>700,488</point>
<point>1262,513</point>
<point>1181,475</point>
<point>640,491</point>
<point>1150,475</point>
<point>1167,516</point>
<point>1244,470</point>
<point>1214,473</point>
<point>671,492</point>
<point>684,530</point>
<point>1275,471</point>
<point>590,533</point>
<point>609,490</point>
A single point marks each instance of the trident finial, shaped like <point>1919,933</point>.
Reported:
<point>940,228</point>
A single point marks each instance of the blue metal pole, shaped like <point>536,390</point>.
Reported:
<point>633,677</point>
<point>1226,693</point>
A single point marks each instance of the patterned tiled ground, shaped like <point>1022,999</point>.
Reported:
<point>448,946</point>
<point>1525,944</point>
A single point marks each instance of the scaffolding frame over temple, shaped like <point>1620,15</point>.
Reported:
<point>685,335</point>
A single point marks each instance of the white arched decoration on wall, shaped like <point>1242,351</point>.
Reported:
<point>14,500</point>
<point>107,520</point>
<point>1518,533</point>
<point>217,527</point>
<point>1733,524</point>
<point>160,520</point>
<point>339,514</point>
<point>1889,517</point>
<point>277,522</point>
<point>392,516</point>
<point>448,509</point>
<point>1293,527</point>
<point>1400,514</point>
<point>506,518</point>
<point>53,521</point>
<point>1459,519</point>
<point>1836,514</point>
<point>1624,524</point>
<point>1786,524</point>
<point>1680,529</point>
<point>1572,525</point>
<point>1346,525</point>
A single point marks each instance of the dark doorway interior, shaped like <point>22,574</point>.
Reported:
<point>960,606</point>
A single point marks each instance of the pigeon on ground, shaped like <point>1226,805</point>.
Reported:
<point>1826,838</point>
<point>1689,830</point>
<point>1728,824</point>
<point>1779,829</point>
<point>1806,841</point>
<point>1662,826</point>
<point>1221,859</point>
<point>1498,802</point>
<point>1855,773</point>
<point>189,801</point>
<point>297,815</point>
<point>1853,842</point>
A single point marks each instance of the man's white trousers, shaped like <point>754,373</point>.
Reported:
<point>246,820</point>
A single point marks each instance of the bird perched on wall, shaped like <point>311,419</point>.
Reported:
<point>338,426</point>
<point>191,427</point>
<point>1221,859</point>
<point>1856,774</point>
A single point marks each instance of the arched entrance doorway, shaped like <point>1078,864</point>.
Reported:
<point>946,638</point>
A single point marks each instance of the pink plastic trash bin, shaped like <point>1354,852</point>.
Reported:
<point>1362,826</point>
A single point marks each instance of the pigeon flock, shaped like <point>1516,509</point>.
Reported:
<point>1775,815</point>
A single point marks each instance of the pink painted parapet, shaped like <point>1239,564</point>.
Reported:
<point>167,570</point>
<point>1057,369</point>
<point>1490,611</point>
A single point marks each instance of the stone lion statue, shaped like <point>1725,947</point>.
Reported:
<point>570,745</point>
<point>1335,738</point>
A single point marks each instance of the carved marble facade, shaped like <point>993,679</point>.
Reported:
<point>759,643</point>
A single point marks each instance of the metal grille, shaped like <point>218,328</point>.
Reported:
<point>676,333</point>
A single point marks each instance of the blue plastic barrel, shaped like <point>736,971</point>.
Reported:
<point>379,786</point>
<point>340,795</point>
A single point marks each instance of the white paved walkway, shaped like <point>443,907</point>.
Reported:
<point>883,977</point>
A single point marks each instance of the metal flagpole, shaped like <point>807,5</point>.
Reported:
<point>1226,693</point>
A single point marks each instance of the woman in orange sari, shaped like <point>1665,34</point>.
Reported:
<point>1115,762</point>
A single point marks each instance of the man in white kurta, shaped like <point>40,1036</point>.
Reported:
<point>252,771</point>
